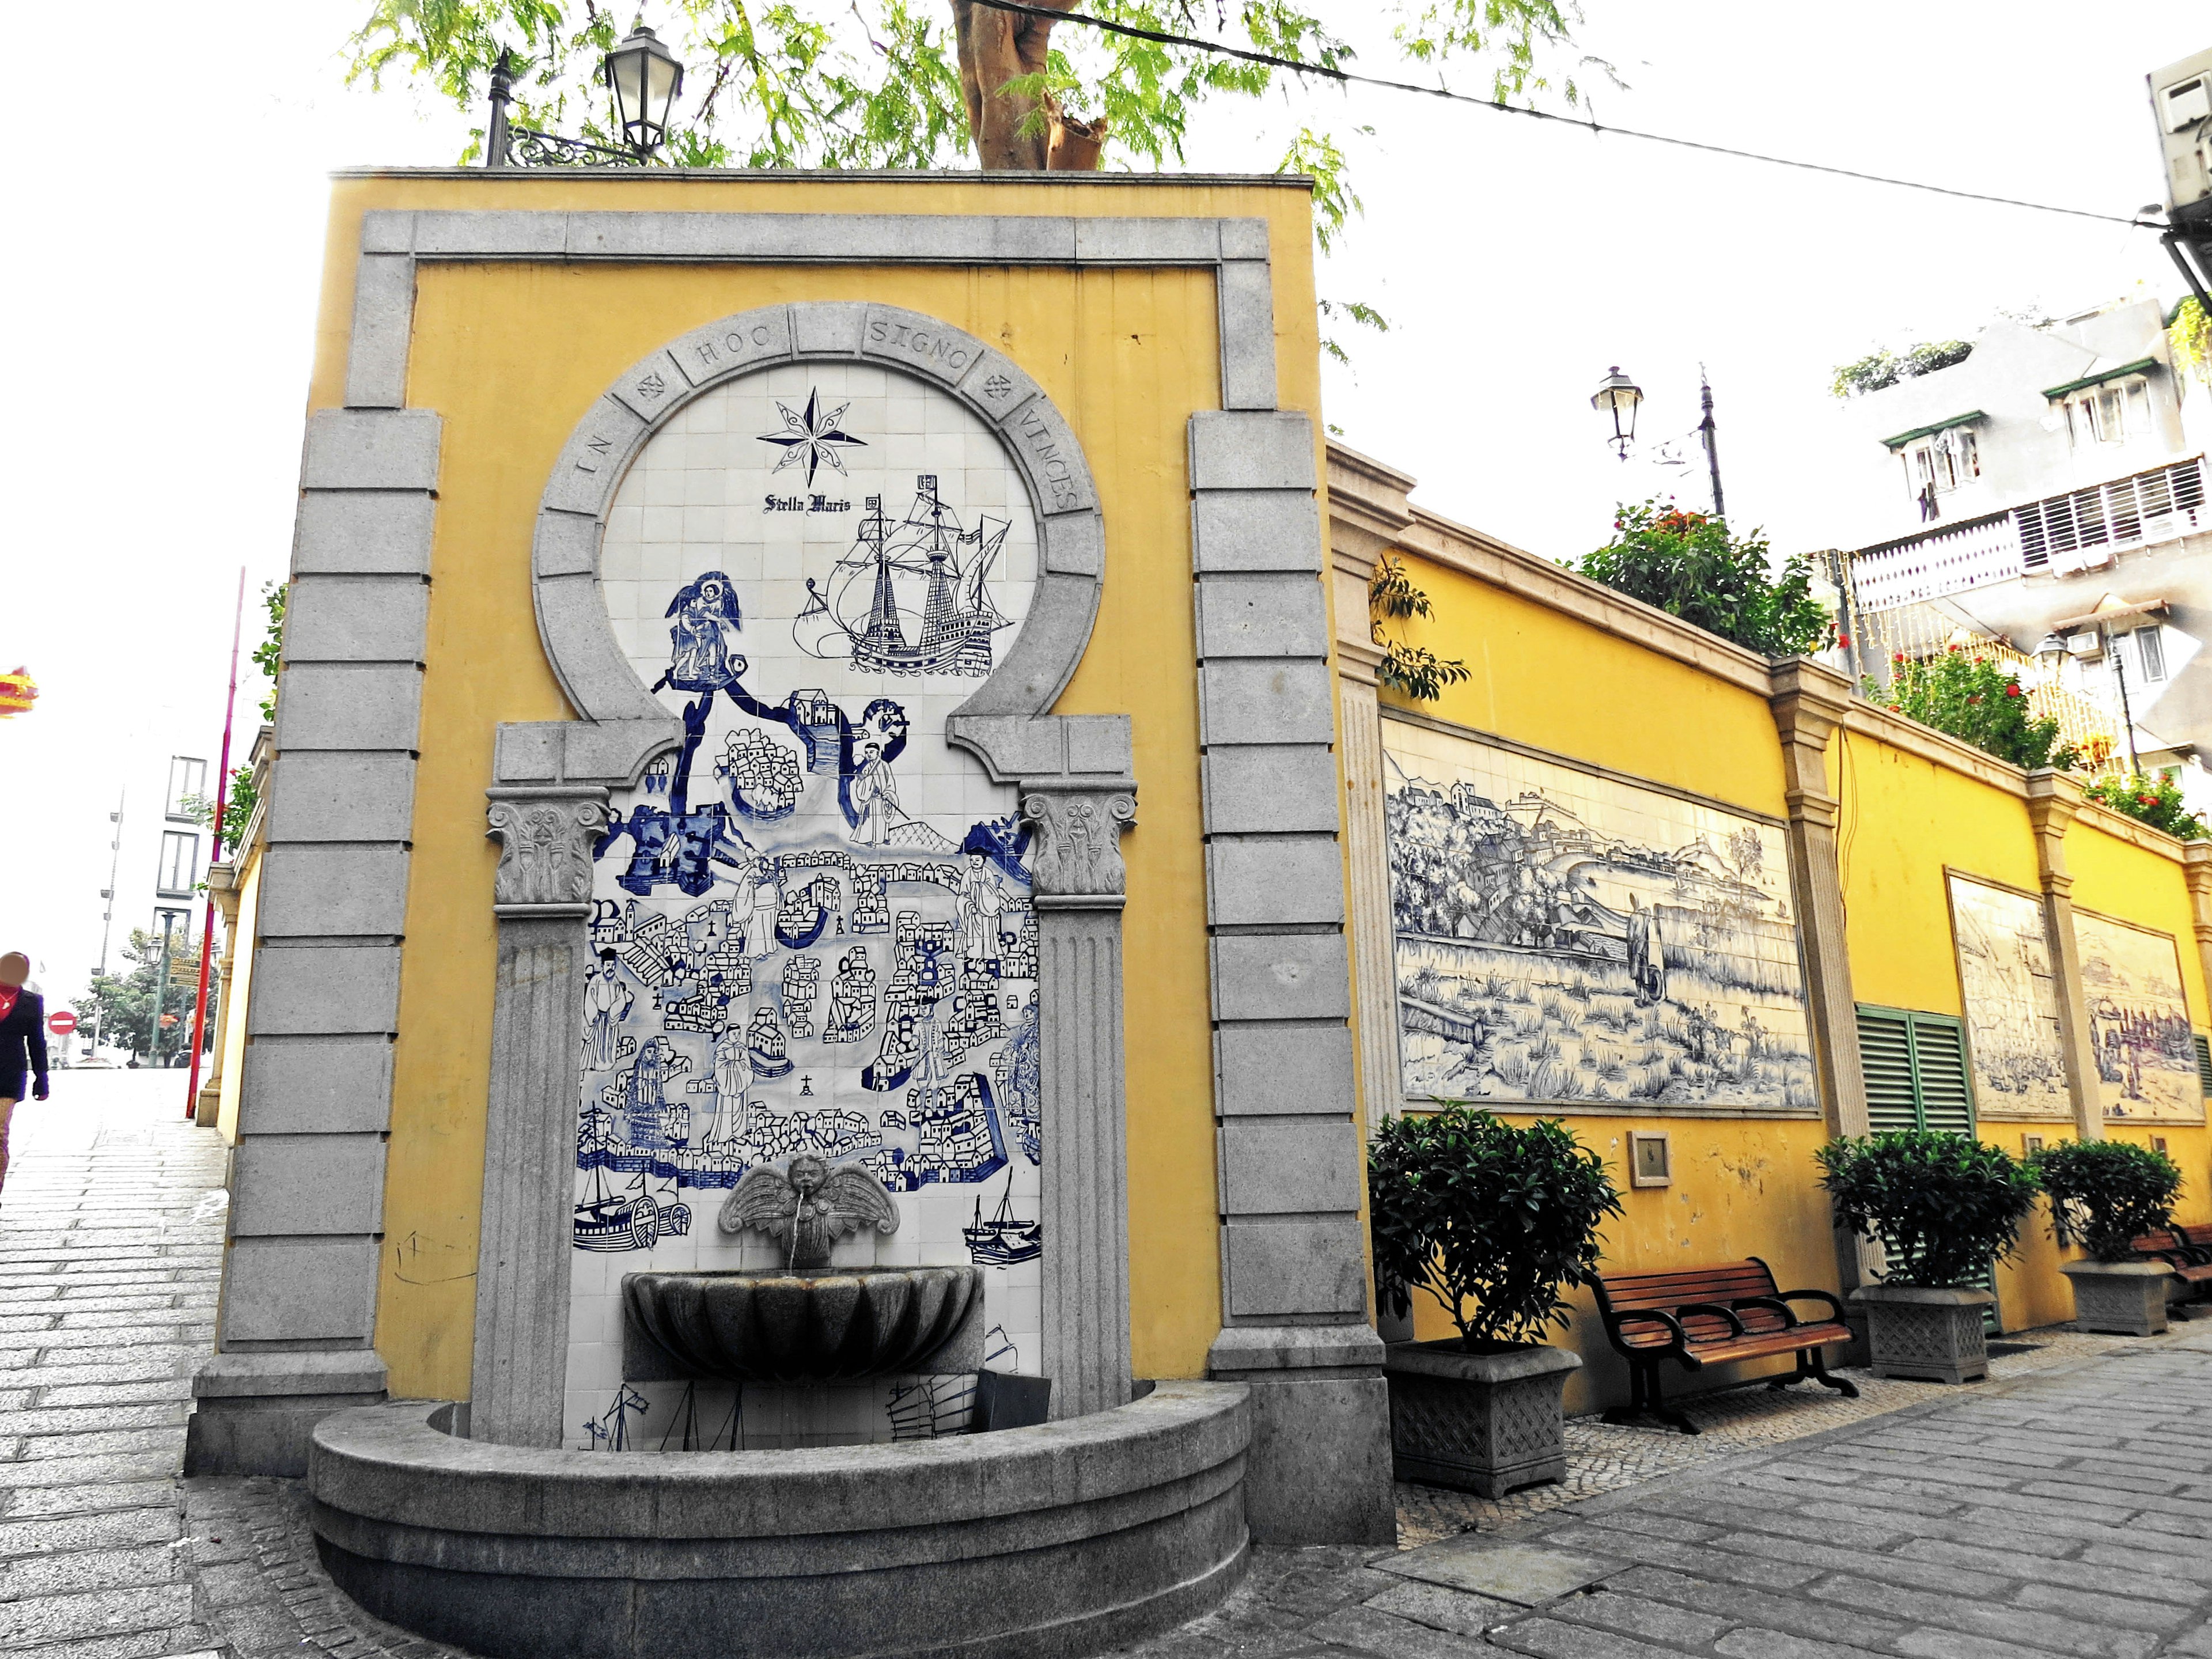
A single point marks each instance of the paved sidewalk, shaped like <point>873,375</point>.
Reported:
<point>2061,1509</point>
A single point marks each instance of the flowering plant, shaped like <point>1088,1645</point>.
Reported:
<point>2154,801</point>
<point>1689,564</point>
<point>1976,699</point>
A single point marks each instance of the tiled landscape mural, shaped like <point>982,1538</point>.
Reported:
<point>813,925</point>
<point>1567,938</point>
<point>2138,1021</point>
<point>2011,1002</point>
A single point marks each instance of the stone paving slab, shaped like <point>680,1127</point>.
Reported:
<point>2061,1509</point>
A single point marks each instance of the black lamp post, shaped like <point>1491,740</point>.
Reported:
<point>643,76</point>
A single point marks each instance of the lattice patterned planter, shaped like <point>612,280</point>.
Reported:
<point>1483,1423</point>
<point>1926,1334</point>
<point>2126,1298</point>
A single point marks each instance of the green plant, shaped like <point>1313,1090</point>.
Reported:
<point>1414,670</point>
<point>2189,337</point>
<point>1688,565</point>
<point>1980,701</point>
<point>1494,1222</point>
<point>1943,1206</point>
<point>269,655</point>
<point>2106,1194</point>
<point>2154,801</point>
<point>1884,367</point>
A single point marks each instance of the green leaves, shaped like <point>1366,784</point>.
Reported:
<point>269,655</point>
<point>2154,801</point>
<point>1688,565</point>
<point>2106,1194</point>
<point>1884,367</point>
<point>1943,1206</point>
<point>1977,699</point>
<point>1414,670</point>
<point>1473,1210</point>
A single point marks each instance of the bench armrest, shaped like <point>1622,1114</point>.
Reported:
<point>1652,1315</point>
<point>2173,1258</point>
<point>1789,1320</point>
<point>1736,1325</point>
<point>1835,1308</point>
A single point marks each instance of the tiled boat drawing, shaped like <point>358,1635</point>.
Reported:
<point>813,924</point>
<point>1565,936</point>
<point>2138,1021</point>
<point>2011,1002</point>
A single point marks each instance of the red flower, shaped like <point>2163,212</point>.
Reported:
<point>2014,690</point>
<point>1898,657</point>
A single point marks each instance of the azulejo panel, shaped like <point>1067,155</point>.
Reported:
<point>812,920</point>
<point>2011,1000</point>
<point>2138,1022</point>
<point>1564,938</point>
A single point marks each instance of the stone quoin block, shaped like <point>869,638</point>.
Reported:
<point>1233,529</point>
<point>1251,449</point>
<point>1281,1268</point>
<point>383,326</point>
<point>1247,295</point>
<point>1265,699</point>
<point>363,533</point>
<point>323,794</point>
<point>1280,976</point>
<point>1261,616</point>
<point>1275,881</point>
<point>355,619</point>
<point>300,1289</point>
<point>318,1084</point>
<point>349,706</point>
<point>1276,1069</point>
<point>314,990</point>
<point>371,449</point>
<point>1289,1166</point>
<point>306,1184</point>
<point>1283,788</point>
<point>310,891</point>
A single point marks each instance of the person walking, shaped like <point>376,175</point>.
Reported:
<point>22,1043</point>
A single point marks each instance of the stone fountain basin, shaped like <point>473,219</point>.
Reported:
<point>819,1325</point>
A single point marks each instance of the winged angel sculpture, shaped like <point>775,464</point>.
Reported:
<point>810,1209</point>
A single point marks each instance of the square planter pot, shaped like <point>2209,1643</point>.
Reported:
<point>1483,1423</point>
<point>1927,1335</point>
<point>2126,1298</point>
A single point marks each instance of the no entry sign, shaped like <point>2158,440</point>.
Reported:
<point>61,1022</point>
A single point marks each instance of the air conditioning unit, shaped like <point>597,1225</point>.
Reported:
<point>2181,102</point>
<point>2085,645</point>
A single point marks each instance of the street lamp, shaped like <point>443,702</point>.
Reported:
<point>645,78</point>
<point>1618,396</point>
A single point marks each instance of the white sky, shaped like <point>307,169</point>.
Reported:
<point>162,302</point>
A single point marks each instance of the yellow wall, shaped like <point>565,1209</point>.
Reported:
<point>511,356</point>
<point>240,947</point>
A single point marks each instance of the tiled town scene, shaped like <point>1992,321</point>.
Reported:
<point>983,830</point>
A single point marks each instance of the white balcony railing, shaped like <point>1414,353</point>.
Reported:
<point>2080,530</point>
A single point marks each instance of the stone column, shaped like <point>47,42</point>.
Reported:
<point>1810,702</point>
<point>222,890</point>
<point>1367,861</point>
<point>542,897</point>
<point>2197,870</point>
<point>2053,799</point>
<point>1080,884</point>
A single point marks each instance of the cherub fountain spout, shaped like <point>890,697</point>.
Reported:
<point>810,1209</point>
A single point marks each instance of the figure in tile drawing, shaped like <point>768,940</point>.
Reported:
<point>700,659</point>
<point>852,999</point>
<point>733,1081</point>
<point>758,888</point>
<point>1647,955</point>
<point>606,1005</point>
<point>875,798</point>
<point>981,902</point>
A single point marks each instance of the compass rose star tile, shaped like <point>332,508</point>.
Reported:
<point>813,437</point>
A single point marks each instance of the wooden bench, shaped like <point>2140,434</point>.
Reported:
<point>2188,1251</point>
<point>1708,1316</point>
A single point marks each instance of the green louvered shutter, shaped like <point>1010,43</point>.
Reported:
<point>2204,1063</point>
<point>1916,1078</point>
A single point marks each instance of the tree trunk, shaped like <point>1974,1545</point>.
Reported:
<point>1015,133</point>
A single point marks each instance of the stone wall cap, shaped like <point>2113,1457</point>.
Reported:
<point>836,175</point>
<point>1448,1359</point>
<point>1926,1296</point>
<point>229,1376</point>
<point>2116,1269</point>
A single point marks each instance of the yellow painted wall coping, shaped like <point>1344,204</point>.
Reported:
<point>817,178</point>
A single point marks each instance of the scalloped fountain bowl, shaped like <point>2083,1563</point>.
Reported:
<point>818,1325</point>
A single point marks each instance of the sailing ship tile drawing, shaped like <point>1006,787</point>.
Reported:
<point>1565,938</point>
<point>2011,1001</point>
<point>2138,1022</point>
<point>812,923</point>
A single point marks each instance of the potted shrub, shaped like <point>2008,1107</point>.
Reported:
<point>1944,1208</point>
<point>2105,1194</point>
<point>1496,1223</point>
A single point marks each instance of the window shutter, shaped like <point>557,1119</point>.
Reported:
<point>1886,1053</point>
<point>1939,1054</point>
<point>2203,1062</point>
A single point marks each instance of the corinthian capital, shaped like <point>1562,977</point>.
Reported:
<point>546,838</point>
<point>1076,851</point>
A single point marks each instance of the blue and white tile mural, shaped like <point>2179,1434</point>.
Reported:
<point>1566,938</point>
<point>813,922</point>
<point>2138,1021</point>
<point>2011,1001</point>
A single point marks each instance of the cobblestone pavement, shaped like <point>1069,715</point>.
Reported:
<point>2061,1509</point>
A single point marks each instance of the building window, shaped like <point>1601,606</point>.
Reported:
<point>180,861</point>
<point>1939,464</point>
<point>2152,648</point>
<point>2109,414</point>
<point>187,782</point>
<point>175,926</point>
